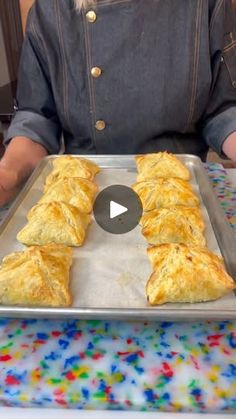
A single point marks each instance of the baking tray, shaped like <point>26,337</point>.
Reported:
<point>109,272</point>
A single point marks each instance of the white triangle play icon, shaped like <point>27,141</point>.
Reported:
<point>116,209</point>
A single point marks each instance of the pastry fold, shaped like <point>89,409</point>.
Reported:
<point>163,164</point>
<point>174,225</point>
<point>78,192</point>
<point>39,276</point>
<point>68,166</point>
<point>164,193</point>
<point>184,274</point>
<point>54,222</point>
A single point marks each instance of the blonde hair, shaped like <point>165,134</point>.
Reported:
<point>79,4</point>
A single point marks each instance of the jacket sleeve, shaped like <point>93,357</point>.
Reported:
<point>219,120</point>
<point>35,116</point>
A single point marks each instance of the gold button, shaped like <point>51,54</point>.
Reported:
<point>100,125</point>
<point>91,16</point>
<point>96,72</point>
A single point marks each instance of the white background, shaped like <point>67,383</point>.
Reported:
<point>11,413</point>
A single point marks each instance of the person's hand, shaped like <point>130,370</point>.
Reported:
<point>20,158</point>
<point>8,184</point>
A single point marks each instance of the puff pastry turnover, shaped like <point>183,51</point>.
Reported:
<point>74,191</point>
<point>54,222</point>
<point>38,276</point>
<point>159,193</point>
<point>174,225</point>
<point>184,274</point>
<point>68,166</point>
<point>162,165</point>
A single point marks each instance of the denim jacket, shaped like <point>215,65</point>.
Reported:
<point>128,76</point>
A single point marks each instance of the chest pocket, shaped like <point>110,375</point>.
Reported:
<point>229,56</point>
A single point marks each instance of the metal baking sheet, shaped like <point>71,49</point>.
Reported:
<point>109,271</point>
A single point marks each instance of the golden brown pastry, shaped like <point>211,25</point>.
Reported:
<point>39,276</point>
<point>164,193</point>
<point>68,166</point>
<point>184,274</point>
<point>164,165</point>
<point>54,222</point>
<point>74,191</point>
<point>174,225</point>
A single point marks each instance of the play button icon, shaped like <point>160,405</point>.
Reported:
<point>117,209</point>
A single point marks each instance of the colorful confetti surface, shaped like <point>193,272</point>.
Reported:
<point>152,366</point>
<point>225,191</point>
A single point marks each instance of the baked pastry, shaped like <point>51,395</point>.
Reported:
<point>174,225</point>
<point>184,274</point>
<point>74,191</point>
<point>160,193</point>
<point>39,276</point>
<point>54,222</point>
<point>163,164</point>
<point>68,166</point>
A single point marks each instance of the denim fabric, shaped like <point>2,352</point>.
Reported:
<point>168,77</point>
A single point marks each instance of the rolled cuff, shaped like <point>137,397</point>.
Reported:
<point>39,129</point>
<point>219,128</point>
